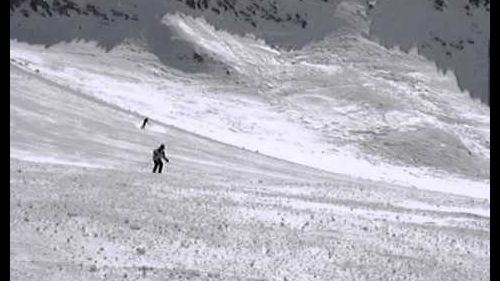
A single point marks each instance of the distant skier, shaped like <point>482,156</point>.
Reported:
<point>158,155</point>
<point>146,120</point>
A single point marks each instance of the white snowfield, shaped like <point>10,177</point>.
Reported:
<point>339,161</point>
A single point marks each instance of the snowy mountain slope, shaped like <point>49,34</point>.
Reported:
<point>381,88</point>
<point>295,155</point>
<point>454,34</point>
<point>73,129</point>
<point>84,205</point>
<point>355,113</point>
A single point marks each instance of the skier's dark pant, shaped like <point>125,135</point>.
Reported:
<point>159,165</point>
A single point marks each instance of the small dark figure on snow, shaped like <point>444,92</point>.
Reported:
<point>146,120</point>
<point>158,155</point>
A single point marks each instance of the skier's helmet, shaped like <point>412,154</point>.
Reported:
<point>162,146</point>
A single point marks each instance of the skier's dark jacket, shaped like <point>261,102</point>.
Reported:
<point>158,154</point>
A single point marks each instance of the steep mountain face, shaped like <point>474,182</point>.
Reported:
<point>282,23</point>
<point>264,18</point>
<point>454,34</point>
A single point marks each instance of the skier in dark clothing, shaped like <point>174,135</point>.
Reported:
<point>158,155</point>
<point>146,120</point>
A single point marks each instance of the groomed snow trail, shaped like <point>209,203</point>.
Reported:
<point>84,206</point>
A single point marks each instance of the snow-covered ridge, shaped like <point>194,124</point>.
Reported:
<point>454,34</point>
